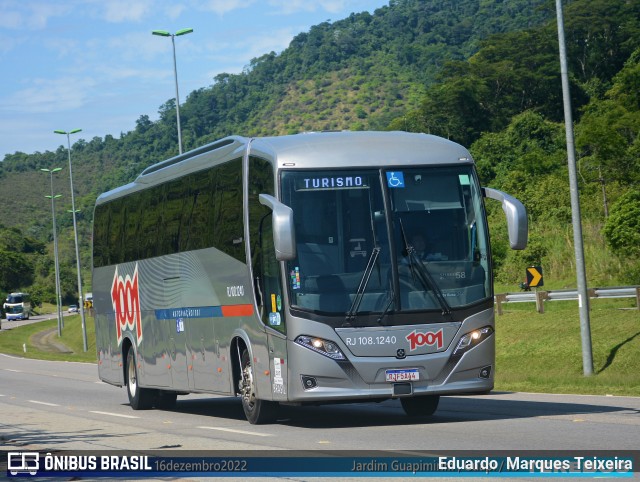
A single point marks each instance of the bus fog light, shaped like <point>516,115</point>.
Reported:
<point>325,347</point>
<point>309,382</point>
<point>471,339</point>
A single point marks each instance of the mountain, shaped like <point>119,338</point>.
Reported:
<point>356,73</point>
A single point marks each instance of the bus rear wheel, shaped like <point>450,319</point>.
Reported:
<point>257,411</point>
<point>420,406</point>
<point>139,398</point>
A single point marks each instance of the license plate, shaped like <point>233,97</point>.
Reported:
<point>402,375</point>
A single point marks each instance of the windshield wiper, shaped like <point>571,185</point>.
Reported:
<point>373,258</point>
<point>362,286</point>
<point>419,271</point>
<point>392,298</point>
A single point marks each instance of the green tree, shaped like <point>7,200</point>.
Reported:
<point>529,146</point>
<point>15,271</point>
<point>608,134</point>
<point>622,229</point>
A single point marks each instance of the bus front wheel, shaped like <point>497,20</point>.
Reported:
<point>139,398</point>
<point>420,406</point>
<point>257,411</point>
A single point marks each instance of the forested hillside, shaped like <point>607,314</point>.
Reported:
<point>485,74</point>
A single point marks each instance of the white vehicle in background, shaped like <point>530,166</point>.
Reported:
<point>17,306</point>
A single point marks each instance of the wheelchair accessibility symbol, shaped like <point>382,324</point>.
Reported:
<point>395,179</point>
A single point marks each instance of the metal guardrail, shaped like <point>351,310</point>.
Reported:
<point>539,297</point>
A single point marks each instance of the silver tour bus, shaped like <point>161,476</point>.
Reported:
<point>311,268</point>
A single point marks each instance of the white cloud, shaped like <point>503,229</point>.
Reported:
<point>9,43</point>
<point>61,46</point>
<point>121,11</point>
<point>140,45</point>
<point>275,41</point>
<point>224,6</point>
<point>117,11</point>
<point>174,10</point>
<point>42,12</point>
<point>26,135</point>
<point>11,19</point>
<point>137,74</point>
<point>233,56</point>
<point>16,15</point>
<point>294,6</point>
<point>49,95</point>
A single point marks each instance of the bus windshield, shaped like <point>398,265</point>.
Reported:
<point>15,298</point>
<point>387,241</point>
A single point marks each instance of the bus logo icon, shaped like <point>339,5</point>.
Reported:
<point>23,462</point>
<point>417,339</point>
<point>125,298</point>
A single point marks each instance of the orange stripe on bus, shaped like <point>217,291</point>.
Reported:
<point>237,310</point>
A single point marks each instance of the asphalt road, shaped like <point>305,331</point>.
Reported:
<point>61,405</point>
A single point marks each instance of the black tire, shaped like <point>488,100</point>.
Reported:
<point>257,411</point>
<point>424,406</point>
<point>139,398</point>
<point>166,400</point>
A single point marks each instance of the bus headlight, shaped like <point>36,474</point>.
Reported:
<point>320,345</point>
<point>471,339</point>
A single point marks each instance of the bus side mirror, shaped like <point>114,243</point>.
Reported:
<point>517,222</point>
<point>284,236</point>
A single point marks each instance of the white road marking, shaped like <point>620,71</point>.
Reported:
<point>113,414</point>
<point>45,403</point>
<point>242,432</point>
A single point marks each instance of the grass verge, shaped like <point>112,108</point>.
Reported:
<point>16,340</point>
<point>543,352</point>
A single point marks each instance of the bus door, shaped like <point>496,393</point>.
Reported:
<point>268,282</point>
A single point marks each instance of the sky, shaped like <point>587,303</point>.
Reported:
<point>94,64</point>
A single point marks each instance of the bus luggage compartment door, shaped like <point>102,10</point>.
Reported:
<point>178,325</point>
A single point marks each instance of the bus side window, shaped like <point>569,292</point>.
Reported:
<point>100,238</point>
<point>173,207</point>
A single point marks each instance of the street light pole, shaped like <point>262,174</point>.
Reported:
<point>581,273</point>
<point>55,248</point>
<point>75,235</point>
<point>164,33</point>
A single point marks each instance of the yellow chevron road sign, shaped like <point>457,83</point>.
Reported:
<point>534,276</point>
